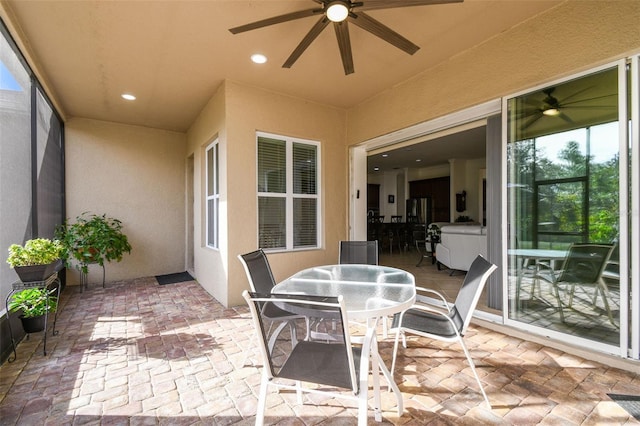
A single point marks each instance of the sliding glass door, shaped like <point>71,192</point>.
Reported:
<point>566,158</point>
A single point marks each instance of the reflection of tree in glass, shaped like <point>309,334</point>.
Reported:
<point>570,190</point>
<point>563,202</point>
<point>604,203</point>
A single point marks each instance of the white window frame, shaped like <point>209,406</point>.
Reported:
<point>290,196</point>
<point>212,175</point>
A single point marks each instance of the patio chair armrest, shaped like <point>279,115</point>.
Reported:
<point>548,275</point>
<point>423,298</point>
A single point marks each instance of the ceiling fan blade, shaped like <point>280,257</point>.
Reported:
<point>377,28</point>
<point>391,4</point>
<point>588,107</point>
<point>525,113</point>
<point>588,100</point>
<point>275,20</point>
<point>344,43</point>
<point>574,94</point>
<point>306,41</point>
<point>532,121</point>
<point>565,118</point>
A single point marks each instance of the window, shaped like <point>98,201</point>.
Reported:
<point>288,200</point>
<point>213,196</point>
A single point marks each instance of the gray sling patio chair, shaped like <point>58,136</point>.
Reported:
<point>361,252</point>
<point>444,322</point>
<point>333,366</point>
<point>583,267</point>
<point>256,266</point>
<point>358,252</point>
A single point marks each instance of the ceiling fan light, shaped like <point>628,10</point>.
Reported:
<point>551,112</point>
<point>337,11</point>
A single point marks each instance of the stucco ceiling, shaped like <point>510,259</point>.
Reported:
<point>174,54</point>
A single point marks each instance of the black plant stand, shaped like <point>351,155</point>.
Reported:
<point>52,282</point>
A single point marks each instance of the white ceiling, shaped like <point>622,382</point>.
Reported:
<point>465,144</point>
<point>173,54</point>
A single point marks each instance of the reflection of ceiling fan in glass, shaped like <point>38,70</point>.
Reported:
<point>341,13</point>
<point>568,108</point>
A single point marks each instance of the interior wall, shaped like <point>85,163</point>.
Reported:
<point>134,174</point>
<point>458,178</point>
<point>572,37</point>
<point>472,187</point>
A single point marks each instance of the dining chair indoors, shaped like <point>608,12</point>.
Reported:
<point>442,321</point>
<point>583,267</point>
<point>256,266</point>
<point>330,368</point>
<point>358,252</point>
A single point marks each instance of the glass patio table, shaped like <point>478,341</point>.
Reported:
<point>370,292</point>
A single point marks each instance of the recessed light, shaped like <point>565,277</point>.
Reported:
<point>385,155</point>
<point>376,169</point>
<point>418,160</point>
<point>128,96</point>
<point>258,58</point>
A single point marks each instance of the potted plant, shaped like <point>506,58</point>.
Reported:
<point>34,303</point>
<point>93,239</point>
<point>37,260</point>
<point>433,233</point>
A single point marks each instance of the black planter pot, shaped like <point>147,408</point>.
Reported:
<point>38,272</point>
<point>32,324</point>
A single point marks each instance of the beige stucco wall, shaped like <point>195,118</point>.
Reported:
<point>134,174</point>
<point>235,113</point>
<point>210,265</point>
<point>572,37</point>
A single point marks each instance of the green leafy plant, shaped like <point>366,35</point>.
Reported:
<point>39,251</point>
<point>93,239</point>
<point>33,302</point>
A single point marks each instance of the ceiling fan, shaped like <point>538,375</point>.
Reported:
<point>341,13</point>
<point>551,106</point>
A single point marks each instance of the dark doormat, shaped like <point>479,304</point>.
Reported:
<point>631,403</point>
<point>178,277</point>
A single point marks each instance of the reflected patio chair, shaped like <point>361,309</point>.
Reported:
<point>444,322</point>
<point>261,280</point>
<point>358,252</point>
<point>333,366</point>
<point>583,267</point>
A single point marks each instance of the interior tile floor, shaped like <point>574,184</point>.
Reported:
<point>137,353</point>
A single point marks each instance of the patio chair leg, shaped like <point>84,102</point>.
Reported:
<point>363,388</point>
<point>299,392</point>
<point>557,294</point>
<point>262,399</point>
<point>475,373</point>
<point>605,296</point>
